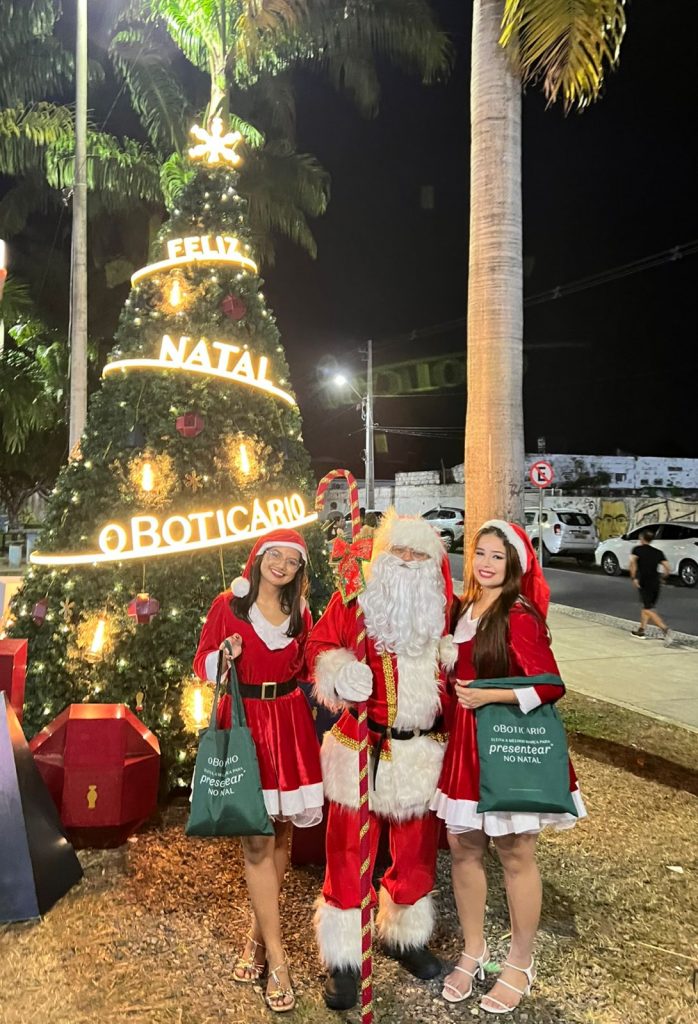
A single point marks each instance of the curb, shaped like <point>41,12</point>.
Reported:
<point>685,639</point>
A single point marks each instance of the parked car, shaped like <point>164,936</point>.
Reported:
<point>678,541</point>
<point>449,523</point>
<point>562,531</point>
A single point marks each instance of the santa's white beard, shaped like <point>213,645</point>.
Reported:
<point>404,604</point>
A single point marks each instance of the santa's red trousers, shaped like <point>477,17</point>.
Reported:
<point>413,848</point>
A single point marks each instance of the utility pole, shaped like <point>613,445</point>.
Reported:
<point>78,259</point>
<point>368,416</point>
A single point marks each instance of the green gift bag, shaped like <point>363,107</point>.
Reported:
<point>227,798</point>
<point>524,764</point>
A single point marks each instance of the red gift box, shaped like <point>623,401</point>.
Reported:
<point>102,768</point>
<point>13,672</point>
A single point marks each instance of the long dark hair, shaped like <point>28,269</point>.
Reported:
<point>290,597</point>
<point>490,650</point>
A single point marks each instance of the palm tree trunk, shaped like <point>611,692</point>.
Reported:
<point>494,446</point>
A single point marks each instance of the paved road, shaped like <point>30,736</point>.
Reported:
<point>613,595</point>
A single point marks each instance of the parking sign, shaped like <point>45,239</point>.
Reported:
<point>541,474</point>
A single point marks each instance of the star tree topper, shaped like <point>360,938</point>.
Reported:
<point>215,147</point>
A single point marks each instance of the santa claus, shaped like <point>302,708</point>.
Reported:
<point>405,604</point>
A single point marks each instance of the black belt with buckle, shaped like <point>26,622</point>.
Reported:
<point>267,691</point>
<point>385,732</point>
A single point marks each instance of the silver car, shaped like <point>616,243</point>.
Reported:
<point>448,523</point>
<point>562,531</point>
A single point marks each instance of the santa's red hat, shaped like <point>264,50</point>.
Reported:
<point>275,538</point>
<point>533,585</point>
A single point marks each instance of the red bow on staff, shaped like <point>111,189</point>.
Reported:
<point>348,564</point>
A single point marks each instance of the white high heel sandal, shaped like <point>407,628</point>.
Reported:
<point>479,973</point>
<point>521,992</point>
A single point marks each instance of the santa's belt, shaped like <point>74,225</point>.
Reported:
<point>267,691</point>
<point>386,732</point>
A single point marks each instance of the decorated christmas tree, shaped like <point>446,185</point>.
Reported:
<point>192,449</point>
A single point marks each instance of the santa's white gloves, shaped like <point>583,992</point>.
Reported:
<point>340,679</point>
<point>448,651</point>
<point>355,682</point>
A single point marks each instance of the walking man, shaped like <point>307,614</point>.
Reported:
<point>645,562</point>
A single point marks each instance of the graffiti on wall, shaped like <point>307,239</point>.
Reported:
<point>659,510</point>
<point>615,516</point>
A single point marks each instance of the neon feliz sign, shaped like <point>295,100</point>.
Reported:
<point>147,537</point>
<point>182,252</point>
<point>229,362</point>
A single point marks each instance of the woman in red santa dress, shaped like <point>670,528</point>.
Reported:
<point>267,621</point>
<point>500,632</point>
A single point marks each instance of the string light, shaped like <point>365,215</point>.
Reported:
<point>97,645</point>
<point>147,482</point>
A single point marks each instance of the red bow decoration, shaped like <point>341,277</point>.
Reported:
<point>347,560</point>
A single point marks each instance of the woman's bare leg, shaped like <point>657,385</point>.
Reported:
<point>470,892</point>
<point>262,875</point>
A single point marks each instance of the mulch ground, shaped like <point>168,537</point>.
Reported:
<point>150,935</point>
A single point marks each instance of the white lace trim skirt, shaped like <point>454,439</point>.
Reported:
<point>302,806</point>
<point>462,816</point>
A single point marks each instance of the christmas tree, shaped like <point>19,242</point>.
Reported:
<point>192,449</point>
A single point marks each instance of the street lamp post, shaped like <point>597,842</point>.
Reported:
<point>367,416</point>
<point>78,261</point>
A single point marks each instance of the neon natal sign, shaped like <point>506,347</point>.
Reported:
<point>182,252</point>
<point>229,362</point>
<point>148,536</point>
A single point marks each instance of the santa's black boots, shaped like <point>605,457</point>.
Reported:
<point>341,989</point>
<point>419,960</point>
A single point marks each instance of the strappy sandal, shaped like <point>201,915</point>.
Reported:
<point>276,1000</point>
<point>249,965</point>
<point>479,973</point>
<point>521,992</point>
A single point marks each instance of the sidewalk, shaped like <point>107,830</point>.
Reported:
<point>604,661</point>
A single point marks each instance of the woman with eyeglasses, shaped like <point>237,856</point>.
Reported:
<point>267,621</point>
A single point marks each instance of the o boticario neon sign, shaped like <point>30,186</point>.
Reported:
<point>183,252</point>
<point>215,359</point>
<point>148,536</point>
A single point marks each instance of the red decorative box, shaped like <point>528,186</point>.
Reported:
<point>13,672</point>
<point>102,768</point>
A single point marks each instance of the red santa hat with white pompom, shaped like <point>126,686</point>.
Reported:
<point>274,539</point>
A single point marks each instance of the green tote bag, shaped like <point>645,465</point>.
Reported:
<point>227,798</point>
<point>524,764</point>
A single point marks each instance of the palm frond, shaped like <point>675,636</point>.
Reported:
<point>175,175</point>
<point>269,101</point>
<point>27,131</point>
<point>23,22</point>
<point>156,95</point>
<point>567,45</point>
<point>126,169</point>
<point>27,196</point>
<point>38,68</point>
<point>283,189</point>
<point>24,403</point>
<point>16,301</point>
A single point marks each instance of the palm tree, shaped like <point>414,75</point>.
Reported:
<point>567,45</point>
<point>244,50</point>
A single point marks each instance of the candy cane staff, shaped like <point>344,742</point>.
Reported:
<point>266,618</point>
<point>349,562</point>
<point>405,604</point>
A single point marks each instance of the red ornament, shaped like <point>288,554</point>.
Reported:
<point>143,608</point>
<point>190,424</point>
<point>39,611</point>
<point>102,767</point>
<point>233,307</point>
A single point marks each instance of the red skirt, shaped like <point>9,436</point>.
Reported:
<point>458,792</point>
<point>288,753</point>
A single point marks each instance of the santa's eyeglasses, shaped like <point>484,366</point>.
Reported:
<point>408,554</point>
<point>277,557</point>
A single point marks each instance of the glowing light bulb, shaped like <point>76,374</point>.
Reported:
<point>198,706</point>
<point>244,460</point>
<point>147,477</point>
<point>175,297</point>
<point>98,638</point>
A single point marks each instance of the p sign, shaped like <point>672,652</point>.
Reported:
<point>541,474</point>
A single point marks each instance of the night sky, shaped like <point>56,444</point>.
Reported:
<point>611,368</point>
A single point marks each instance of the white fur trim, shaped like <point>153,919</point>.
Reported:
<point>448,651</point>
<point>528,698</point>
<point>418,689</point>
<point>409,532</point>
<point>211,666</point>
<point>463,816</point>
<point>405,784</point>
<point>338,934</point>
<point>513,538</point>
<point>330,666</point>
<point>283,544</point>
<point>240,586</point>
<point>405,926</point>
